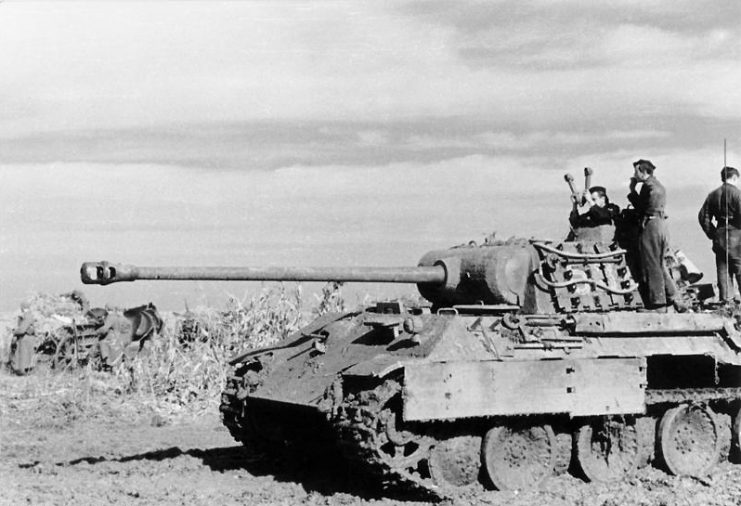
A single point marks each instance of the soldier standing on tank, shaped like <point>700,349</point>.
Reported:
<point>657,287</point>
<point>724,206</point>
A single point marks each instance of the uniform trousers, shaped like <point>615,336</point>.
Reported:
<point>727,244</point>
<point>658,288</point>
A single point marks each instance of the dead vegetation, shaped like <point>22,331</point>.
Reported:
<point>180,372</point>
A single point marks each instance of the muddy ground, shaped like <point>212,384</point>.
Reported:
<point>75,439</point>
<point>67,444</point>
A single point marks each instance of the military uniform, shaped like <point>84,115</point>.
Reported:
<point>595,217</point>
<point>657,286</point>
<point>24,344</point>
<point>724,206</point>
<point>116,333</point>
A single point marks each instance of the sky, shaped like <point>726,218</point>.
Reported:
<point>341,133</point>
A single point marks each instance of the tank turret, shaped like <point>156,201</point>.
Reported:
<point>532,276</point>
<point>494,273</point>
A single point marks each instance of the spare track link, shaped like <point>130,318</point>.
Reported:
<point>359,426</point>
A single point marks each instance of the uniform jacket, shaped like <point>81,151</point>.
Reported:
<point>595,216</point>
<point>714,208</point>
<point>651,201</point>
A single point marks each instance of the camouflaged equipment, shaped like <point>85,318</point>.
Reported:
<point>77,335</point>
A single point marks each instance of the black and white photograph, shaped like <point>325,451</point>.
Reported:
<point>325,252</point>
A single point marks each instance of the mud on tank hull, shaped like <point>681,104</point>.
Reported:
<point>434,401</point>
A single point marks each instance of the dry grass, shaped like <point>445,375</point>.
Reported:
<point>187,365</point>
<point>180,372</point>
<point>50,399</point>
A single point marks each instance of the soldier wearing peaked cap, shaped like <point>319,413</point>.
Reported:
<point>657,287</point>
<point>720,219</point>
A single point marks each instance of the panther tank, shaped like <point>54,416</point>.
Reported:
<point>532,358</point>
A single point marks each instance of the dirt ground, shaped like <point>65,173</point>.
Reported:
<point>73,439</point>
<point>60,448</point>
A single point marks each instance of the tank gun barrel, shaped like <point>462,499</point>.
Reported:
<point>104,273</point>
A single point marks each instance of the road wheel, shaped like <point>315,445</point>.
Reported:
<point>66,354</point>
<point>455,462</point>
<point>607,448</point>
<point>519,456</point>
<point>689,440</point>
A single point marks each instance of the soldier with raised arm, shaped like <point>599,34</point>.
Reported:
<point>657,287</point>
<point>720,219</point>
<point>595,210</point>
<point>593,217</point>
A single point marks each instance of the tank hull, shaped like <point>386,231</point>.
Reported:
<point>378,385</point>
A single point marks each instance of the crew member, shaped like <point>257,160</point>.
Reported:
<point>595,210</point>
<point>723,205</point>
<point>657,286</point>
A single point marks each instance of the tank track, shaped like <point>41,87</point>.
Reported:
<point>705,396</point>
<point>369,431</point>
<point>366,436</point>
<point>270,433</point>
<point>233,412</point>
<point>676,396</point>
<point>359,424</point>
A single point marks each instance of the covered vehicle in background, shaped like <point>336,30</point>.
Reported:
<point>64,331</point>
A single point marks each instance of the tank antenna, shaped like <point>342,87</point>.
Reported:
<point>729,281</point>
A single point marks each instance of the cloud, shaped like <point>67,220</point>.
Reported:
<point>603,58</point>
<point>60,214</point>
<point>682,16</point>
<point>122,65</point>
<point>532,143</point>
<point>270,145</point>
<point>372,138</point>
<point>342,133</point>
<point>131,64</point>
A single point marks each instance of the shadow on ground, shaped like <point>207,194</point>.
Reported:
<point>325,474</point>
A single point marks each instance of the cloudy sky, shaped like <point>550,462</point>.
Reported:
<point>328,132</point>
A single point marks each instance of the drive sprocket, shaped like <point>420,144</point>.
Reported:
<point>373,435</point>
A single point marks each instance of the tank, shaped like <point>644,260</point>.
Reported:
<point>532,358</point>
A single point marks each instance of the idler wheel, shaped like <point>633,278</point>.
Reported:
<point>519,456</point>
<point>607,449</point>
<point>455,462</point>
<point>689,440</point>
